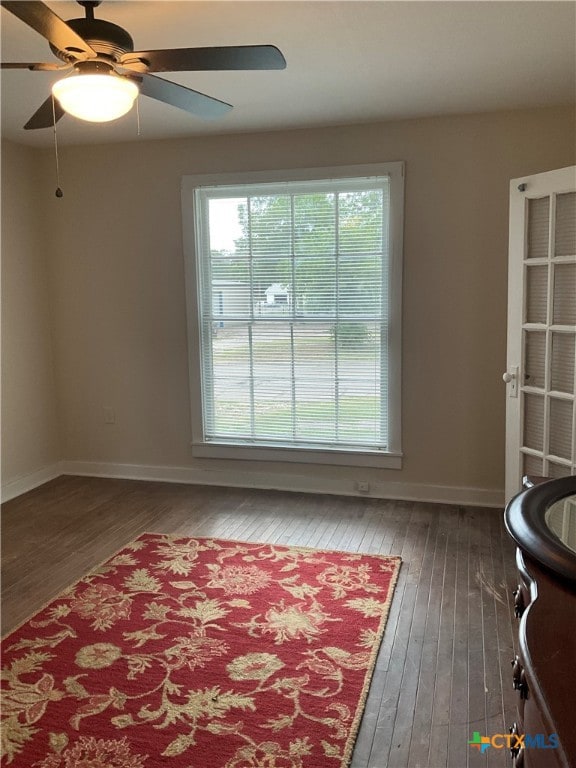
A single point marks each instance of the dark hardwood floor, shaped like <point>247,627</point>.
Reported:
<point>443,670</point>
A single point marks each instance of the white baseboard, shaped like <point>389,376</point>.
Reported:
<point>29,481</point>
<point>442,494</point>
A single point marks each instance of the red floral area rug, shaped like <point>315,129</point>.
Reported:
<point>198,653</point>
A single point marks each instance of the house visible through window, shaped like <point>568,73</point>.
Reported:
<point>295,286</point>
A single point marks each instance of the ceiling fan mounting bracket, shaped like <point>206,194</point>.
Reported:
<point>89,6</point>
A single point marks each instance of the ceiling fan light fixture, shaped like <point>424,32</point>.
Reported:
<point>97,98</point>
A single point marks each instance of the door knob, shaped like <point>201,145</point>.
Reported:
<point>511,377</point>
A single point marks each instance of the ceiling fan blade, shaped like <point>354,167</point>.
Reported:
<point>36,67</point>
<point>203,59</point>
<point>44,116</point>
<point>196,103</point>
<point>38,16</point>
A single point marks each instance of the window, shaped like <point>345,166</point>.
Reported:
<point>294,286</point>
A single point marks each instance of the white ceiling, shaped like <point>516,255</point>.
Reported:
<point>348,62</point>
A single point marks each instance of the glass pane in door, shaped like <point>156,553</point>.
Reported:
<point>536,294</point>
<point>565,225</point>
<point>532,465</point>
<point>564,294</point>
<point>535,358</point>
<point>538,227</point>
<point>534,422</point>
<point>562,365</point>
<point>561,428</point>
<point>558,470</point>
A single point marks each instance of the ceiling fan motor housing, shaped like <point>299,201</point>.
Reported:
<point>108,40</point>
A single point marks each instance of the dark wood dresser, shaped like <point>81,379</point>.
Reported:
<point>542,522</point>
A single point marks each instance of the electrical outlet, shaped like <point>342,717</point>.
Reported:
<point>362,486</point>
<point>109,415</point>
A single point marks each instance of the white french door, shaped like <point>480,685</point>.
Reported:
<point>541,371</point>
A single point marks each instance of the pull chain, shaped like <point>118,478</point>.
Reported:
<point>138,115</point>
<point>59,192</point>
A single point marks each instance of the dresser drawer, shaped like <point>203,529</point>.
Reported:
<point>539,757</point>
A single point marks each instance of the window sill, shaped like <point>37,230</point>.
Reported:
<point>347,458</point>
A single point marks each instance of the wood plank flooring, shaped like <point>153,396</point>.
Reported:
<point>443,670</point>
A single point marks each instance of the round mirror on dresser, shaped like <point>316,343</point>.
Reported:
<point>542,522</point>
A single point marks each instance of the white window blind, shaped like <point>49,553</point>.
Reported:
<point>293,301</point>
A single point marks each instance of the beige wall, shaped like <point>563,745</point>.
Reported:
<point>30,440</point>
<point>117,273</point>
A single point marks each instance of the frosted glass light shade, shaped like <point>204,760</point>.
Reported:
<point>95,97</point>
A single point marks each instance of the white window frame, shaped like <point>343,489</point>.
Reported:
<point>386,459</point>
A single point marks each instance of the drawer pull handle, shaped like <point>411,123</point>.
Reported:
<point>519,678</point>
<point>522,686</point>
<point>514,751</point>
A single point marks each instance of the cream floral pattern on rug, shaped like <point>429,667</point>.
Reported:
<point>198,653</point>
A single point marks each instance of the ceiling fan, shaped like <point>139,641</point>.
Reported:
<point>104,74</point>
